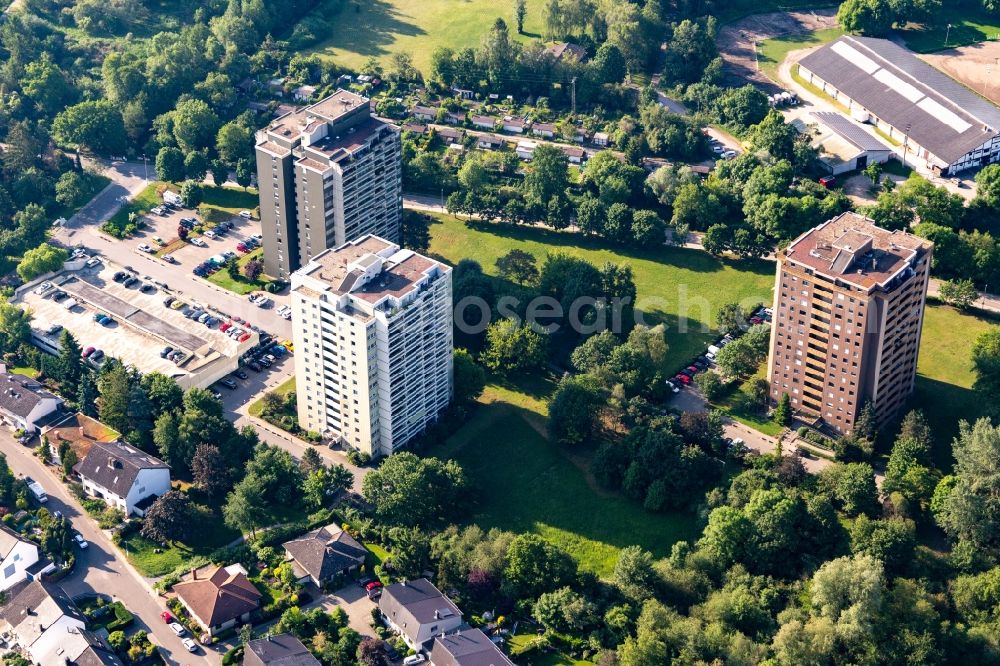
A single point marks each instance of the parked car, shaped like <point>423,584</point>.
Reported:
<point>241,374</point>
<point>242,247</point>
<point>87,352</point>
<point>208,234</point>
<point>169,258</point>
<point>228,383</point>
<point>93,261</point>
<point>97,355</point>
<point>246,215</point>
<point>264,302</point>
<point>146,288</point>
<point>827,181</point>
<point>43,287</point>
<point>130,280</point>
<point>165,352</point>
<point>674,388</point>
<point>414,659</point>
<point>80,542</point>
<point>177,628</point>
<point>167,617</point>
<point>682,378</point>
<point>53,329</point>
<point>177,305</point>
<point>189,644</point>
<point>198,242</point>
<point>119,276</point>
<point>255,366</point>
<point>58,295</point>
<point>145,248</point>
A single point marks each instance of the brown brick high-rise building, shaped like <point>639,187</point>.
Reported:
<point>848,309</point>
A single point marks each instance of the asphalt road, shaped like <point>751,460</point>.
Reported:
<point>99,568</point>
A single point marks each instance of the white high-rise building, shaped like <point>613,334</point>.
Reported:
<point>372,328</point>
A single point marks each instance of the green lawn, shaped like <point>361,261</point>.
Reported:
<point>736,405</point>
<point>283,389</point>
<point>680,287</point>
<point>241,285</point>
<point>142,553</point>
<point>229,200</point>
<point>541,658</point>
<point>771,52</point>
<point>524,483</point>
<point>944,373</point>
<point>967,27</point>
<point>379,28</point>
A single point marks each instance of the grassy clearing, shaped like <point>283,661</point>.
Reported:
<point>535,658</point>
<point>241,285</point>
<point>283,389</point>
<point>525,483</point>
<point>772,52</point>
<point>142,553</point>
<point>27,371</point>
<point>379,28</point>
<point>680,287</point>
<point>229,200</point>
<point>968,26</point>
<point>944,374</point>
<point>738,407</point>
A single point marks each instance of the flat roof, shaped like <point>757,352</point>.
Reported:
<point>889,81</point>
<point>328,109</point>
<point>342,268</point>
<point>851,249</point>
<point>143,326</point>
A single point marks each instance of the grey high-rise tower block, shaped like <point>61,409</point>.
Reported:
<point>328,174</point>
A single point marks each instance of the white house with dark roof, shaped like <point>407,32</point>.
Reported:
<point>467,648</point>
<point>123,476</point>
<point>17,554</point>
<point>418,611</point>
<point>324,553</point>
<point>24,402</point>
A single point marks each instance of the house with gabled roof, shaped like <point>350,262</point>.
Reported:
<point>470,647</point>
<point>25,403</point>
<point>279,650</point>
<point>17,554</point>
<point>418,611</point>
<point>123,476</point>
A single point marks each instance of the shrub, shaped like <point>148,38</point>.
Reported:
<point>123,618</point>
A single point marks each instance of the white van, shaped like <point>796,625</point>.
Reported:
<point>712,349</point>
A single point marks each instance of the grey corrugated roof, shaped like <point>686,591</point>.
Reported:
<point>847,130</point>
<point>927,129</point>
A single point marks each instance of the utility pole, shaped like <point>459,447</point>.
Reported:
<point>906,140</point>
<point>947,34</point>
<point>573,94</point>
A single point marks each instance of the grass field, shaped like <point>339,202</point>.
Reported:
<point>380,28</point>
<point>771,52</point>
<point>554,658</point>
<point>967,27</point>
<point>525,483</point>
<point>737,406</point>
<point>680,287</point>
<point>944,374</point>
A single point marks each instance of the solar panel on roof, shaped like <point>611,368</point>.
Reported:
<point>898,85</point>
<point>944,115</point>
<point>855,57</point>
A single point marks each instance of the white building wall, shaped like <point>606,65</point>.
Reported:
<point>12,568</point>
<point>148,482</point>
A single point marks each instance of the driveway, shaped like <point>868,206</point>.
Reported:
<point>100,568</point>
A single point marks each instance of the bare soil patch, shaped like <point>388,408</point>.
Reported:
<point>736,41</point>
<point>977,67</point>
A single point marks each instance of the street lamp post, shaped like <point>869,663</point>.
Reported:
<point>947,34</point>
<point>906,140</point>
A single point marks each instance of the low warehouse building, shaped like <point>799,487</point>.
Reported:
<point>941,123</point>
<point>844,146</point>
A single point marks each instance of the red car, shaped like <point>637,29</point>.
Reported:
<point>87,352</point>
<point>683,379</point>
<point>167,617</point>
<point>225,326</point>
<point>240,247</point>
<point>827,181</point>
<point>373,585</point>
<point>693,369</point>
<point>756,320</point>
<point>244,337</point>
